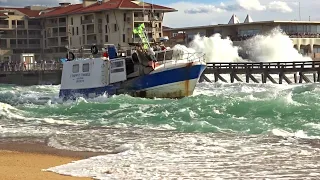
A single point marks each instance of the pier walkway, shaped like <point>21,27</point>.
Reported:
<point>261,72</point>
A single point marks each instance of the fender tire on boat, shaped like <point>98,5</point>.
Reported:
<point>94,49</point>
<point>70,57</point>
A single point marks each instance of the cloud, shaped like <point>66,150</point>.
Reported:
<point>19,3</point>
<point>204,9</point>
<point>273,11</point>
<point>279,6</point>
<point>241,5</point>
<point>250,5</point>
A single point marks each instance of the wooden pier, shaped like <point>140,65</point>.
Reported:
<point>289,72</point>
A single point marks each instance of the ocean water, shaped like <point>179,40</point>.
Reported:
<point>223,131</point>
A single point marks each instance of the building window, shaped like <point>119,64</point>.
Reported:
<point>106,29</point>
<point>83,29</point>
<point>72,31</point>
<point>85,67</point>
<point>124,17</point>
<point>160,34</point>
<point>106,38</point>
<point>115,27</point>
<point>124,38</point>
<point>75,68</point>
<point>99,28</point>
<point>107,18</point>
<point>71,21</point>
<point>77,30</point>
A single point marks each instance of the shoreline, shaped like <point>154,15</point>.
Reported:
<point>19,160</point>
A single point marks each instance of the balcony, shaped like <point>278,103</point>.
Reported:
<point>158,29</point>
<point>55,34</point>
<point>34,26</point>
<point>52,44</point>
<point>64,43</point>
<point>141,19</point>
<point>34,36</point>
<point>12,36</point>
<point>91,41</point>
<point>22,36</point>
<point>62,24</point>
<point>13,45</point>
<point>63,34</point>
<point>19,46</point>
<point>34,45</point>
<point>52,25</point>
<point>156,18</point>
<point>4,26</point>
<point>87,21</point>
<point>20,27</point>
<point>90,31</point>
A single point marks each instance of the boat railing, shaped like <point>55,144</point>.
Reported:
<point>174,56</point>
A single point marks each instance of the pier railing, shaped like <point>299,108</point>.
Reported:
<point>18,67</point>
<point>253,70</point>
<point>260,67</point>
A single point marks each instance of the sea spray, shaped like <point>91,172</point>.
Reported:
<point>274,46</point>
<point>216,49</point>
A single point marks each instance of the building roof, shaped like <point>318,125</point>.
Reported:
<point>248,19</point>
<point>166,27</point>
<point>239,24</point>
<point>3,15</point>
<point>58,11</point>
<point>28,12</point>
<point>234,20</point>
<point>111,4</point>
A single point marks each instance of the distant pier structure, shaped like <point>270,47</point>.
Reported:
<point>263,72</point>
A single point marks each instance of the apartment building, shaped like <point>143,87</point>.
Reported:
<point>20,32</point>
<point>98,22</point>
<point>48,32</point>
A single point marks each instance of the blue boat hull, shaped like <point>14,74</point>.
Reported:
<point>173,83</point>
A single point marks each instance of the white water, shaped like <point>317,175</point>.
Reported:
<point>274,46</point>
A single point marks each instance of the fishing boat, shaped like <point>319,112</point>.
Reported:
<point>149,72</point>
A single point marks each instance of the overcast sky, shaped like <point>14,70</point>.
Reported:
<point>205,12</point>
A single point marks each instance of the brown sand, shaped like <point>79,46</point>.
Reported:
<point>25,161</point>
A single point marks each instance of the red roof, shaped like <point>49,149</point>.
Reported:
<point>111,4</point>
<point>26,11</point>
<point>57,11</point>
<point>132,5</point>
<point>3,15</point>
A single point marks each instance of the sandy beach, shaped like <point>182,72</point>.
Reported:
<point>24,161</point>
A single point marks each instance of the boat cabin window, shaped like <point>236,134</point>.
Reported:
<point>117,66</point>
<point>75,68</point>
<point>117,70</point>
<point>85,67</point>
<point>164,55</point>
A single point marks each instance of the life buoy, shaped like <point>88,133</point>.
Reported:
<point>70,56</point>
<point>94,49</point>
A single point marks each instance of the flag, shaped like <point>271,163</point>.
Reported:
<point>140,31</point>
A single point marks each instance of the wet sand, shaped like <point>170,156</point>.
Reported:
<point>24,161</point>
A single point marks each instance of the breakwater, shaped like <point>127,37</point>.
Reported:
<point>31,74</point>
